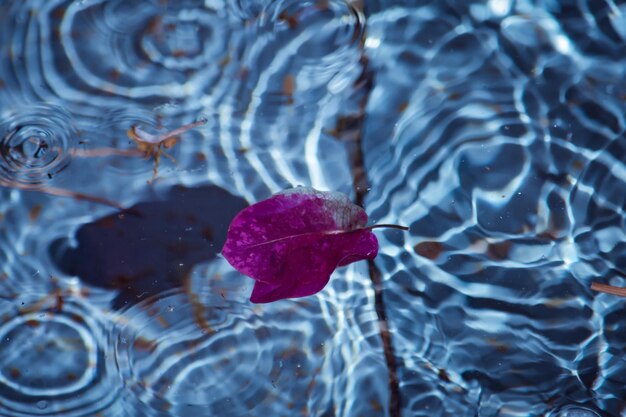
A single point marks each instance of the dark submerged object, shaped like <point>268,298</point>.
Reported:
<point>152,246</point>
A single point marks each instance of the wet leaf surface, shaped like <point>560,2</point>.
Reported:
<point>292,242</point>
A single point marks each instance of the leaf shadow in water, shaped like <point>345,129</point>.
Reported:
<point>152,246</point>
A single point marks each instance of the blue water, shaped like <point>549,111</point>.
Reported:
<point>494,129</point>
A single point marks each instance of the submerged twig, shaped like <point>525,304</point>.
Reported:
<point>61,192</point>
<point>153,146</point>
<point>608,289</point>
<point>104,152</point>
<point>148,145</point>
<point>350,131</point>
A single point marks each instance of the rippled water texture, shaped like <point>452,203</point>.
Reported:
<point>494,129</point>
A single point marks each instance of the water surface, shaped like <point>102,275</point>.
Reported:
<point>495,130</point>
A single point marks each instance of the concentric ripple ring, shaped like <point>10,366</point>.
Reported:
<point>36,143</point>
<point>53,359</point>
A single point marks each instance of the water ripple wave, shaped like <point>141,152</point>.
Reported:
<point>203,350</point>
<point>265,74</point>
<point>36,143</point>
<point>502,152</point>
<point>99,54</point>
<point>495,129</point>
<point>54,357</point>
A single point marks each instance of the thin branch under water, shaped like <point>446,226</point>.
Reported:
<point>350,131</point>
<point>608,289</point>
<point>61,192</point>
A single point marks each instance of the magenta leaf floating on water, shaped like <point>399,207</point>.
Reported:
<point>293,241</point>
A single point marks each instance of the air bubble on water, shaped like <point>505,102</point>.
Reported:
<point>42,404</point>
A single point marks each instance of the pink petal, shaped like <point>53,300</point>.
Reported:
<point>293,241</point>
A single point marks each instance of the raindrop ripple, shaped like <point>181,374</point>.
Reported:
<point>53,359</point>
<point>36,143</point>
